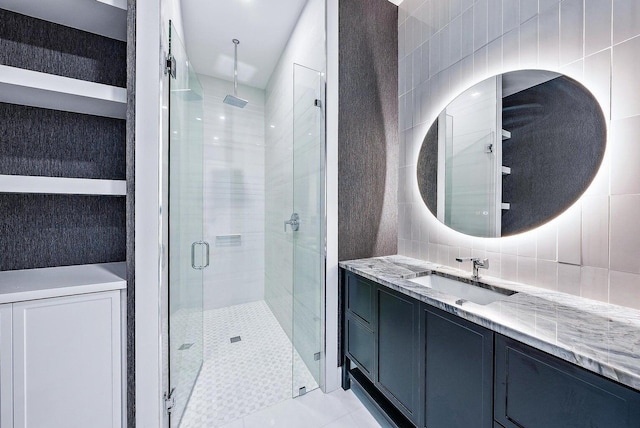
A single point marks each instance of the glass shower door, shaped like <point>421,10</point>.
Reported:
<point>188,254</point>
<point>308,240</point>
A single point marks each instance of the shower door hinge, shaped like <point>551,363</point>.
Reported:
<point>170,66</point>
<point>169,401</point>
<point>317,103</point>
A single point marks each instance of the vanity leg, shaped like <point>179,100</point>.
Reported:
<point>346,365</point>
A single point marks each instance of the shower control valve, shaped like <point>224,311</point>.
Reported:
<point>294,222</point>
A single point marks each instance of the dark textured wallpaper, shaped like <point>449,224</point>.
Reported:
<point>368,129</point>
<point>60,230</point>
<point>36,141</point>
<point>131,201</point>
<point>38,45</point>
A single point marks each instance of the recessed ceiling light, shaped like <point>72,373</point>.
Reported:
<point>273,126</point>
<point>222,117</point>
<point>198,118</point>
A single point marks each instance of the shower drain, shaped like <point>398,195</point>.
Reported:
<point>235,339</point>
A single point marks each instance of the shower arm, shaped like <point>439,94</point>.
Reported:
<point>236,42</point>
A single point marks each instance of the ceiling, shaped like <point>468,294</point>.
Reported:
<point>262,26</point>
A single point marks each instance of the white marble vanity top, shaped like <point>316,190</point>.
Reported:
<point>600,337</point>
<point>31,284</point>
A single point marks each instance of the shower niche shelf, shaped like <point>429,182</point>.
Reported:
<point>61,185</point>
<point>506,170</point>
<point>36,89</point>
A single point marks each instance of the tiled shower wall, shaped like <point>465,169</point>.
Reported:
<point>234,147</point>
<point>446,46</point>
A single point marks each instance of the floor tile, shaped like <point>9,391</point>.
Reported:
<point>364,419</point>
<point>344,422</point>
<point>242,377</point>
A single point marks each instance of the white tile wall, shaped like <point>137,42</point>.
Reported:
<point>234,194</point>
<point>593,249</point>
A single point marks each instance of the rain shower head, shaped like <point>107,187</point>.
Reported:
<point>234,100</point>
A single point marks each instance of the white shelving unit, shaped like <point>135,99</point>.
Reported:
<point>61,185</point>
<point>70,316</point>
<point>32,88</point>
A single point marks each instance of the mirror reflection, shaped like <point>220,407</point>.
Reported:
<point>511,153</point>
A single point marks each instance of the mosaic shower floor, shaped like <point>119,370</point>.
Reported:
<point>243,377</point>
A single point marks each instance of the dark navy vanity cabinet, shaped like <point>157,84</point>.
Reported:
<point>536,390</point>
<point>425,367</point>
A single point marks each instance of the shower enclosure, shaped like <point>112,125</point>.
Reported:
<point>210,199</point>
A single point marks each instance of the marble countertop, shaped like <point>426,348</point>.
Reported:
<point>599,337</point>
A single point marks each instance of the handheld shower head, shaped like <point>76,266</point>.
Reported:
<point>234,100</point>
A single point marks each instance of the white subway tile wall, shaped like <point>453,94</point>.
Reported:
<point>234,194</point>
<point>445,47</point>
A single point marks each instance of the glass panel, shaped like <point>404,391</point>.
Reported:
<point>186,250</point>
<point>308,241</point>
<point>472,147</point>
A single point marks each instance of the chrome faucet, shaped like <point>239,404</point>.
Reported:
<point>477,264</point>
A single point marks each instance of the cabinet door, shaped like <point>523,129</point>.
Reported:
<point>6,368</point>
<point>536,390</point>
<point>359,298</point>
<point>459,372</point>
<point>360,345</point>
<point>67,366</point>
<point>398,375</point>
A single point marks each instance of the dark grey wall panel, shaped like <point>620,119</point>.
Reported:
<point>556,147</point>
<point>36,141</point>
<point>59,230</point>
<point>368,129</point>
<point>131,187</point>
<point>38,45</point>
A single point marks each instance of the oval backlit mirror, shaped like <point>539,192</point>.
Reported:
<point>511,153</point>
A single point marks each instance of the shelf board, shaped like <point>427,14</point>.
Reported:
<point>32,88</point>
<point>104,17</point>
<point>61,185</point>
<point>30,284</point>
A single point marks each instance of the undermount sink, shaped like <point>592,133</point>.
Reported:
<point>462,290</point>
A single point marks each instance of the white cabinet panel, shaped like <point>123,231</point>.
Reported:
<point>6,368</point>
<point>67,363</point>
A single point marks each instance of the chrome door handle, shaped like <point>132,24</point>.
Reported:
<point>294,222</point>
<point>193,255</point>
<point>206,244</point>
